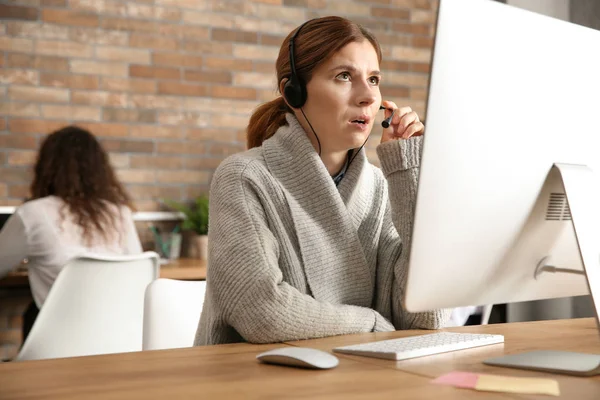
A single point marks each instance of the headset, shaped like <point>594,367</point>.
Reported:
<point>294,89</point>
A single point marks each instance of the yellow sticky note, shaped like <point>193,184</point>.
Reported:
<point>509,384</point>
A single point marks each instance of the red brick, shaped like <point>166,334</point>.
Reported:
<point>129,85</point>
<point>136,176</point>
<point>220,48</point>
<point>20,109</point>
<point>106,130</point>
<point>154,191</point>
<point>185,118</point>
<point>180,148</point>
<point>193,17</point>
<point>230,64</point>
<point>154,131</point>
<point>390,12</point>
<point>129,115</point>
<point>15,174</point>
<point>203,163</point>
<point>38,94</point>
<point>69,81</point>
<point>125,24</point>
<point>220,135</point>
<point>19,60</point>
<point>224,149</point>
<point>151,101</point>
<point>143,71</point>
<point>229,121</point>
<point>20,191</point>
<point>19,125</point>
<point>207,76</point>
<point>128,55</point>
<point>35,30</point>
<point>229,35</point>
<point>191,177</point>
<point>75,113</point>
<point>153,42</point>
<point>64,49</point>
<point>395,91</point>
<point>271,40</point>
<point>420,67</point>
<point>53,3</point>
<point>118,160</point>
<point>68,17</point>
<point>3,124</point>
<point>414,29</point>
<point>17,12</point>
<point>182,89</point>
<point>99,98</point>
<point>394,65</point>
<point>1,59</point>
<point>18,77</point>
<point>191,32</point>
<point>21,158</point>
<point>15,44</point>
<point>422,41</point>
<point>230,92</point>
<point>254,52</point>
<point>17,141</point>
<point>3,193</point>
<point>264,66</point>
<point>111,69</point>
<point>156,162</point>
<point>128,146</point>
<point>98,36</point>
<point>177,60</point>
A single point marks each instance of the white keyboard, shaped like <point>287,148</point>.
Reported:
<point>419,346</point>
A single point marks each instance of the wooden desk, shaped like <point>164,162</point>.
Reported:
<point>579,335</point>
<point>183,269</point>
<point>216,372</point>
<point>231,371</point>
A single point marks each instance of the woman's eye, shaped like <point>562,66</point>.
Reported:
<point>374,80</point>
<point>344,76</point>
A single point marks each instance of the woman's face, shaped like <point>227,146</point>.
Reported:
<point>343,98</point>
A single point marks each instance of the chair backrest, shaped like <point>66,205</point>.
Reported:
<point>95,306</point>
<point>171,313</point>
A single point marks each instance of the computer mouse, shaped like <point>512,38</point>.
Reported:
<point>299,357</point>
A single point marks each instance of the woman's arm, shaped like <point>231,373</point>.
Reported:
<point>245,278</point>
<point>13,243</point>
<point>400,164</point>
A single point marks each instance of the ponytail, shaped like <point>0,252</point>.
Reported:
<point>265,121</point>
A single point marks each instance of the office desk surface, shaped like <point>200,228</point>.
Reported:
<point>216,372</point>
<point>578,335</point>
<point>182,269</point>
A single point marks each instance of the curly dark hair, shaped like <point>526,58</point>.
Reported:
<point>73,166</point>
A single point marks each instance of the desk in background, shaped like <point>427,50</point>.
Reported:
<point>188,269</point>
<point>231,371</point>
<point>15,296</point>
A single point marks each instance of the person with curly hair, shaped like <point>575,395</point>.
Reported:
<point>77,206</point>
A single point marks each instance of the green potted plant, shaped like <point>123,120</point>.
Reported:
<point>196,221</point>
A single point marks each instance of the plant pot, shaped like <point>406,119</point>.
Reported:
<point>198,247</point>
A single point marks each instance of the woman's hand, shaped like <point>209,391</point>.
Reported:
<point>404,124</point>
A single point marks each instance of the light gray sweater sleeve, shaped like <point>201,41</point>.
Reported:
<point>246,280</point>
<point>400,161</point>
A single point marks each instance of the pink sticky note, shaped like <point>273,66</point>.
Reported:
<point>466,380</point>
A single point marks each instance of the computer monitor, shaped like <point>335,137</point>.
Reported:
<point>513,110</point>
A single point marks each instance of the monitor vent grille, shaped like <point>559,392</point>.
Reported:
<point>558,208</point>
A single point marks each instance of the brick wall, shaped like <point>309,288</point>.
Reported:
<point>169,85</point>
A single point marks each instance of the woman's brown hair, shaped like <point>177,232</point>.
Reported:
<point>318,40</point>
<point>72,165</point>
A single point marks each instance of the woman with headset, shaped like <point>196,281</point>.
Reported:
<point>307,239</point>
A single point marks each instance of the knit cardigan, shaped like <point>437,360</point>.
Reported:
<point>292,256</point>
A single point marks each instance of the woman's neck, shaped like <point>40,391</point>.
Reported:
<point>334,162</point>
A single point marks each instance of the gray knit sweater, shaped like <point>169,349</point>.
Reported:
<point>292,256</point>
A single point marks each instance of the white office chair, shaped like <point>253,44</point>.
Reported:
<point>171,313</point>
<point>96,306</point>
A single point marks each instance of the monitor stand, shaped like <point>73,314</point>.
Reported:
<point>583,196</point>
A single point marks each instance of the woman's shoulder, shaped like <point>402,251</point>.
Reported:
<point>244,165</point>
<point>42,205</point>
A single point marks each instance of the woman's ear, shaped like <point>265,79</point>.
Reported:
<point>281,90</point>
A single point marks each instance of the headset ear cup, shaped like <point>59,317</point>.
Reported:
<point>294,92</point>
